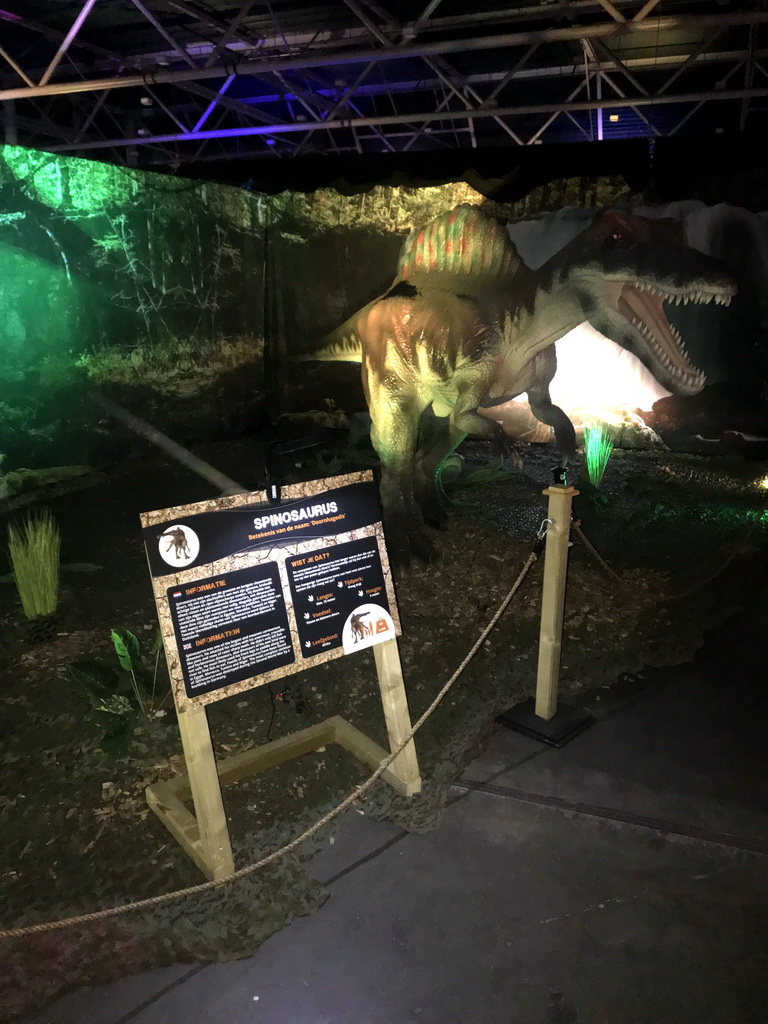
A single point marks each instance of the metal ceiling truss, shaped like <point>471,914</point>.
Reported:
<point>168,82</point>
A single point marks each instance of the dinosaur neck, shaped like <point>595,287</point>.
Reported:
<point>543,315</point>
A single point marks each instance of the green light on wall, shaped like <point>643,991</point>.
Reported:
<point>38,308</point>
<point>66,183</point>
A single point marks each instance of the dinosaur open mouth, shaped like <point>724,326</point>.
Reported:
<point>643,306</point>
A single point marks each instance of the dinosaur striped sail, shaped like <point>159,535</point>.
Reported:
<point>462,241</point>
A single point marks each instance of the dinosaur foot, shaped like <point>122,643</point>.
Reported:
<point>435,514</point>
<point>510,456</point>
<point>437,520</point>
<point>406,544</point>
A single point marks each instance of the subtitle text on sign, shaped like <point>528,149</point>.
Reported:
<point>231,627</point>
<point>218,664</point>
<point>216,608</point>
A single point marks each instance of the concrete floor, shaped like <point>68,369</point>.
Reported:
<point>620,880</point>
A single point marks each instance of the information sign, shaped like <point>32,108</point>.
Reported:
<point>248,592</point>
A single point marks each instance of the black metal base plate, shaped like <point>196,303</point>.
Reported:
<point>557,731</point>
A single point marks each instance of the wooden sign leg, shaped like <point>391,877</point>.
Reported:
<point>215,847</point>
<point>396,714</point>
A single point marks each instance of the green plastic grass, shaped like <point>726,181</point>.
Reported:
<point>35,549</point>
<point>598,446</point>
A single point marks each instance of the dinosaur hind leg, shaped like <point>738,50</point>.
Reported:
<point>395,435</point>
<point>547,412</point>
<point>439,438</point>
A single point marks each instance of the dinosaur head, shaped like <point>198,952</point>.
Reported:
<point>625,271</point>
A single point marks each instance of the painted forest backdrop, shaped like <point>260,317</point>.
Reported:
<point>184,300</point>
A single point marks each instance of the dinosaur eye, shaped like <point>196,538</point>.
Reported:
<point>616,237</point>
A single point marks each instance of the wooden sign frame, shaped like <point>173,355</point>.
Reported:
<point>203,832</point>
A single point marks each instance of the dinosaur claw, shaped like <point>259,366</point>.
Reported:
<point>423,548</point>
<point>435,516</point>
<point>406,544</point>
<point>513,460</point>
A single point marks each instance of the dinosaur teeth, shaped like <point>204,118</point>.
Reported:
<point>689,378</point>
<point>696,295</point>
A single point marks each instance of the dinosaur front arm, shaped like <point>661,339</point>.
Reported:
<point>533,380</point>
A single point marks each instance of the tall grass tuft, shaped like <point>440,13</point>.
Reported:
<point>598,446</point>
<point>34,548</point>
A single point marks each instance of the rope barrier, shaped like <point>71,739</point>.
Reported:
<point>362,789</point>
<point>270,858</point>
<point>738,548</point>
<point>576,524</point>
<point>685,593</point>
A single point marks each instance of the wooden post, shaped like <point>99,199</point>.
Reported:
<point>553,598</point>
<point>395,704</point>
<point>206,792</point>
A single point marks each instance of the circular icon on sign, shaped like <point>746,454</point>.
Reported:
<point>179,545</point>
<point>368,624</point>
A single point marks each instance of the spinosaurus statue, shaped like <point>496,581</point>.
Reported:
<point>467,326</point>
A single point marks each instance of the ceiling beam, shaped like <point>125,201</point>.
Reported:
<point>248,110</point>
<point>177,47</point>
<point>615,14</point>
<point>426,14</point>
<point>352,147</point>
<point>526,110</point>
<point>16,67</point>
<point>645,10</point>
<point>609,55</point>
<point>167,110</point>
<point>634,108</point>
<point>213,104</point>
<point>67,41</point>
<point>447,73</point>
<point>690,60</point>
<point>54,35</point>
<point>556,113</point>
<point>749,75</point>
<point>95,108</point>
<point>301,40</point>
<point>230,32</point>
<point>363,56</point>
<point>438,65</point>
<point>703,55</point>
<point>697,106</point>
<point>341,102</point>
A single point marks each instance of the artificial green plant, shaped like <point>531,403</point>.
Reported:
<point>118,698</point>
<point>35,549</point>
<point>598,446</point>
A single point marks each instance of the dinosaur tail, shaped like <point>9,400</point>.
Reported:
<point>340,346</point>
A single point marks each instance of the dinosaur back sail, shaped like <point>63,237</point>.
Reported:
<point>462,241</point>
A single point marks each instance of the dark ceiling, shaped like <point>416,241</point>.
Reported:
<point>237,90</point>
